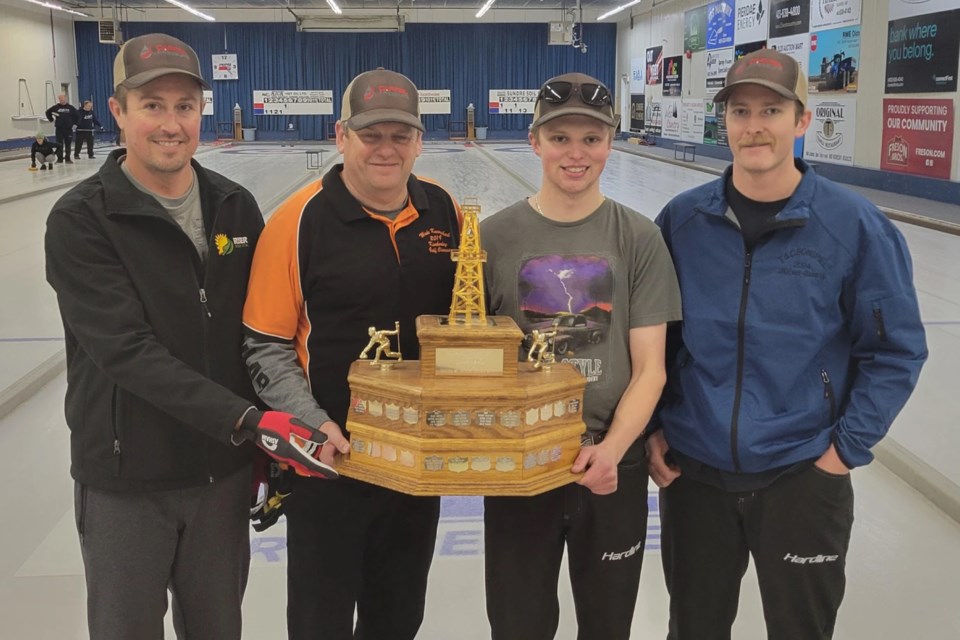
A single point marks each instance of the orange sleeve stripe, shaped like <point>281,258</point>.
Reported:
<point>274,303</point>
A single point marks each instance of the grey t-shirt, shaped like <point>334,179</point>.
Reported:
<point>185,210</point>
<point>597,277</point>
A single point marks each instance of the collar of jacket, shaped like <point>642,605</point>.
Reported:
<point>349,209</point>
<point>797,210</point>
<point>122,198</point>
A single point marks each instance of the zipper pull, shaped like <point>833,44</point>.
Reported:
<point>116,447</point>
<point>203,301</point>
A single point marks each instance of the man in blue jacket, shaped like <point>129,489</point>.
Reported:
<point>800,343</point>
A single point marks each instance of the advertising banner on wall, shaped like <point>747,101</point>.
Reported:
<point>512,100</point>
<point>672,76</point>
<point>714,128</point>
<point>654,65</point>
<point>695,29</point>
<point>720,24</point>
<point>830,14</point>
<point>719,62</point>
<point>752,21</point>
<point>434,101</point>
<point>691,120</point>
<point>637,68</point>
<point>225,66</point>
<point>922,53</point>
<point>636,112</point>
<point>789,17</point>
<point>653,116</point>
<point>917,137</point>
<point>747,47</point>
<point>906,8</point>
<point>207,103</point>
<point>834,60</point>
<point>830,136</point>
<point>793,46</point>
<point>298,103</point>
<point>671,118</point>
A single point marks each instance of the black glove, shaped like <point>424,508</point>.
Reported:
<point>288,440</point>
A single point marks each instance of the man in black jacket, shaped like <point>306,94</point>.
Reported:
<point>149,259</point>
<point>45,149</point>
<point>86,121</point>
<point>64,118</point>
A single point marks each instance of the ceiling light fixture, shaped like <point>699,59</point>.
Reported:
<point>486,7</point>
<point>190,9</point>
<point>59,8</point>
<point>618,9</point>
<point>333,5</point>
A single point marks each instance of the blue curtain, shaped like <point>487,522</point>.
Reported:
<point>467,59</point>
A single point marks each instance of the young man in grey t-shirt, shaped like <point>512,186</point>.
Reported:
<point>571,258</point>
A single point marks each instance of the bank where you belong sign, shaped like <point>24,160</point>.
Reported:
<point>306,102</point>
<point>513,100</point>
<point>922,53</point>
<point>917,136</point>
<point>831,134</point>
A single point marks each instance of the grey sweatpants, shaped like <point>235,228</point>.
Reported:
<point>135,546</point>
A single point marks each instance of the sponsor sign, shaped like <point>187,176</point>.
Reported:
<point>917,137</point>
<point>719,62</point>
<point>637,75</point>
<point>672,76</point>
<point>434,101</point>
<point>207,103</point>
<point>720,24</point>
<point>653,116</point>
<point>695,29</point>
<point>752,20</point>
<point>671,118</point>
<point>748,47</point>
<point>922,53</point>
<point>834,60</point>
<point>312,102</point>
<point>906,8</point>
<point>691,120</point>
<point>789,17</point>
<point>636,112</point>
<point>830,136</point>
<point>225,66</point>
<point>513,100</point>
<point>830,14</point>
<point>714,127</point>
<point>654,65</point>
<point>795,47</point>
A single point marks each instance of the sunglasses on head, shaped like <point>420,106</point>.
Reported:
<point>591,93</point>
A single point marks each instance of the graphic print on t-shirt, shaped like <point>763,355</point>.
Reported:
<point>572,294</point>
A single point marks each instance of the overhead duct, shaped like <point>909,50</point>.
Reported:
<point>352,23</point>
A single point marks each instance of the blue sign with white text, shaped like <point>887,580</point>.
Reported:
<point>720,24</point>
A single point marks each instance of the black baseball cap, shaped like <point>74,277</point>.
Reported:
<point>380,96</point>
<point>146,58</point>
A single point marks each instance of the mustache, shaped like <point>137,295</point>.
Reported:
<point>751,141</point>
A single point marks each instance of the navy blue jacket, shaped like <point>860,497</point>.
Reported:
<point>87,120</point>
<point>812,337</point>
<point>63,117</point>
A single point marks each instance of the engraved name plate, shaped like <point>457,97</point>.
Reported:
<point>462,360</point>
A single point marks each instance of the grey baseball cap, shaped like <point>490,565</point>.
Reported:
<point>574,94</point>
<point>768,68</point>
<point>380,96</point>
<point>146,58</point>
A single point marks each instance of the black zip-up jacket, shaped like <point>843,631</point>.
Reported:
<point>66,116</point>
<point>155,381</point>
<point>46,148</point>
<point>87,120</point>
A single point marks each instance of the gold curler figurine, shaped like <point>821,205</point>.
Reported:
<point>380,338</point>
<point>541,351</point>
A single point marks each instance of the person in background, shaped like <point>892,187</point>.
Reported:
<point>44,148</point>
<point>801,341</point>
<point>64,118</point>
<point>570,251</point>
<point>86,122</point>
<point>149,259</point>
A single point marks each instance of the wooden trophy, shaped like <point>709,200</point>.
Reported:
<point>467,418</point>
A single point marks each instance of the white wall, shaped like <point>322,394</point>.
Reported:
<point>37,51</point>
<point>664,26</point>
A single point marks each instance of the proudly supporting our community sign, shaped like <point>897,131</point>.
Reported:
<point>917,137</point>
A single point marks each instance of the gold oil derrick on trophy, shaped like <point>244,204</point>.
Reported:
<point>468,418</point>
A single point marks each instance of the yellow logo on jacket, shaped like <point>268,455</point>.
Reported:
<point>224,244</point>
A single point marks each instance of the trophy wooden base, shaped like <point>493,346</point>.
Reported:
<point>485,435</point>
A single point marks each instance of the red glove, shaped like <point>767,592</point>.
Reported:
<point>287,440</point>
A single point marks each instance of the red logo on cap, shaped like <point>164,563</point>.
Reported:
<point>768,61</point>
<point>145,53</point>
<point>368,93</point>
